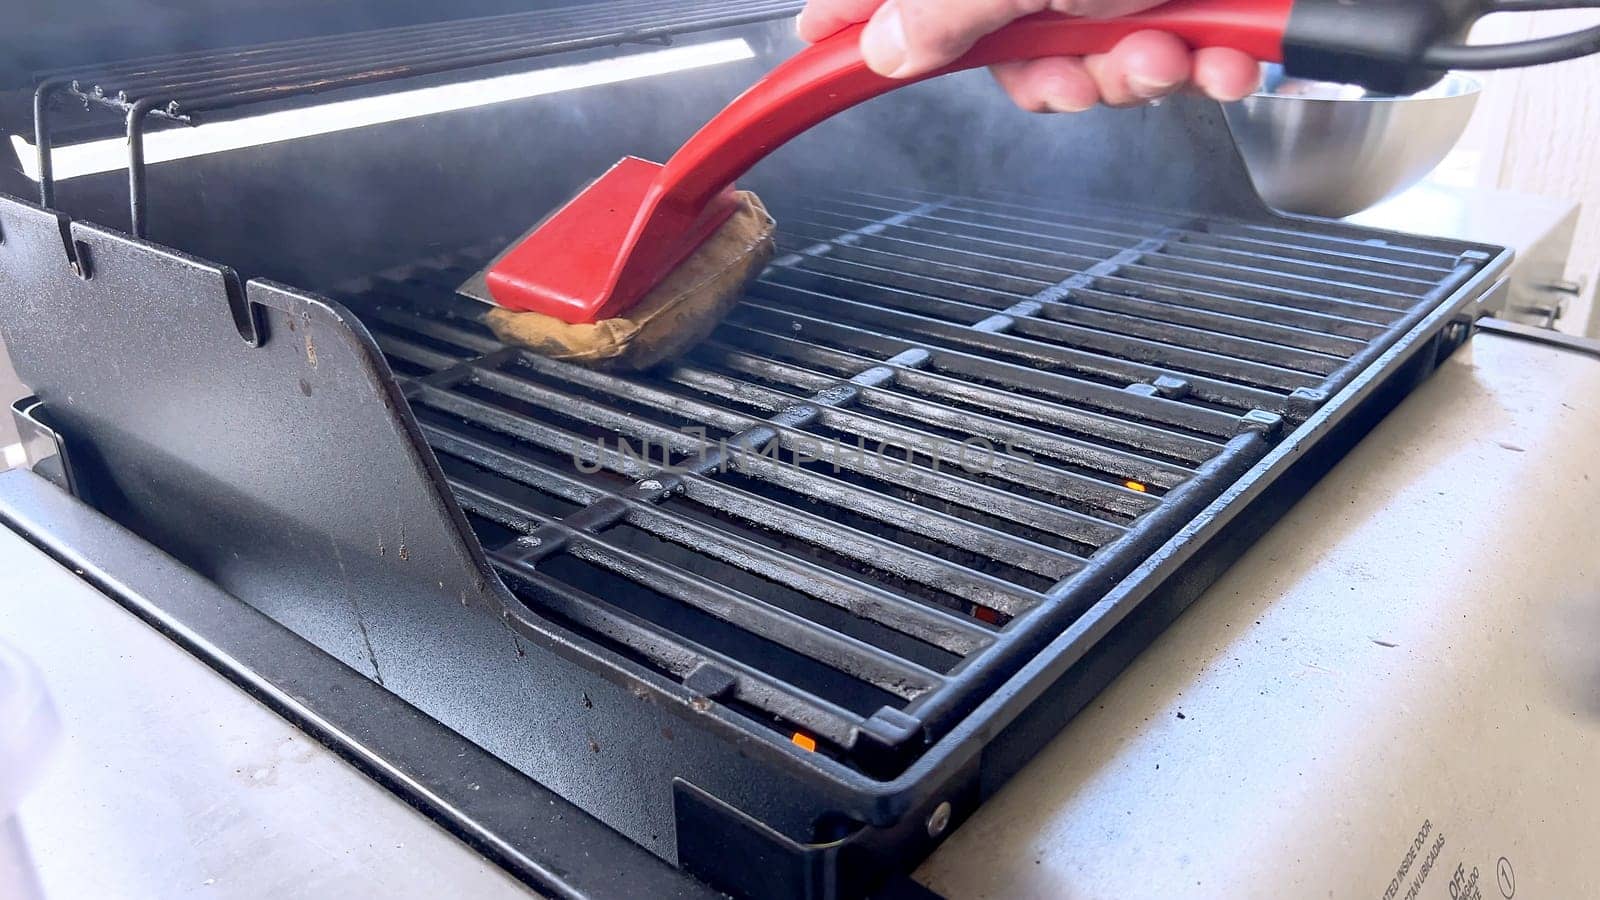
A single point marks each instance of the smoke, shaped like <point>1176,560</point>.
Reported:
<point>319,210</point>
<point>961,134</point>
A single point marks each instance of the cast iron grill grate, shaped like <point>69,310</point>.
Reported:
<point>937,430</point>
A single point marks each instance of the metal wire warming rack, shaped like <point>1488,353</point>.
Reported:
<point>191,87</point>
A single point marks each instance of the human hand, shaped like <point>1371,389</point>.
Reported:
<point>905,38</point>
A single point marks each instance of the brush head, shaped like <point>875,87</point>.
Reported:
<point>603,252</point>
<point>677,314</point>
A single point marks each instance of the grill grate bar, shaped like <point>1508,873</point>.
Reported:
<point>1382,316</point>
<point>1363,253</point>
<point>1103,231</point>
<point>627,424</point>
<point>985,369</point>
<point>1106,346</point>
<point>983,275</point>
<point>1096,240</point>
<point>1024,271</point>
<point>1099,217</point>
<point>860,660</point>
<point>1276,279</point>
<point>413,353</point>
<point>1020,553</point>
<point>1082,528</point>
<point>1168,326</point>
<point>1357,249</point>
<point>684,659</point>
<point>930,234</point>
<point>440,330</point>
<point>922,479</point>
<point>937,279</point>
<point>1228,264</point>
<point>1200,317</point>
<point>1039,252</point>
<point>1122,464</point>
<point>1055,416</point>
<point>928,523</point>
<point>956,634</point>
<point>1051,356</point>
<point>840,652</point>
<point>1284,313</point>
<point>907,563</point>
<point>910,564</point>
<point>1405,285</point>
<point>1230,281</point>
<point>1091,243</point>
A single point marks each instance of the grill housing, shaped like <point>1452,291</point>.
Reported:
<point>648,643</point>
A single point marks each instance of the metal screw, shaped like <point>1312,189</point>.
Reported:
<point>939,820</point>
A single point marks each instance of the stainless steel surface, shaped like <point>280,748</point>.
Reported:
<point>173,783</point>
<point>1539,229</point>
<point>1332,150</point>
<point>1415,642</point>
<point>11,388</point>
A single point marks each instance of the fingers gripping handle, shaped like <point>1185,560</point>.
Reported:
<point>831,77</point>
<point>614,243</point>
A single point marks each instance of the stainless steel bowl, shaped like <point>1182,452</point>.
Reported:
<point>1332,150</point>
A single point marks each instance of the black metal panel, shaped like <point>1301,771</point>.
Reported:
<point>536,834</point>
<point>147,348</point>
<point>292,475</point>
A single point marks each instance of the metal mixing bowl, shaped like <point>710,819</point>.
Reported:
<point>1332,150</point>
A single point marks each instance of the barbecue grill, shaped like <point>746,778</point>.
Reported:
<point>784,613</point>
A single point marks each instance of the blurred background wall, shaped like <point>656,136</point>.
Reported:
<point>1537,131</point>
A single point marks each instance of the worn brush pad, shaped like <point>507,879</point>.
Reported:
<point>681,312</point>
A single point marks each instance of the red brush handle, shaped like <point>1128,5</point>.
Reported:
<point>830,77</point>
<point>605,250</point>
